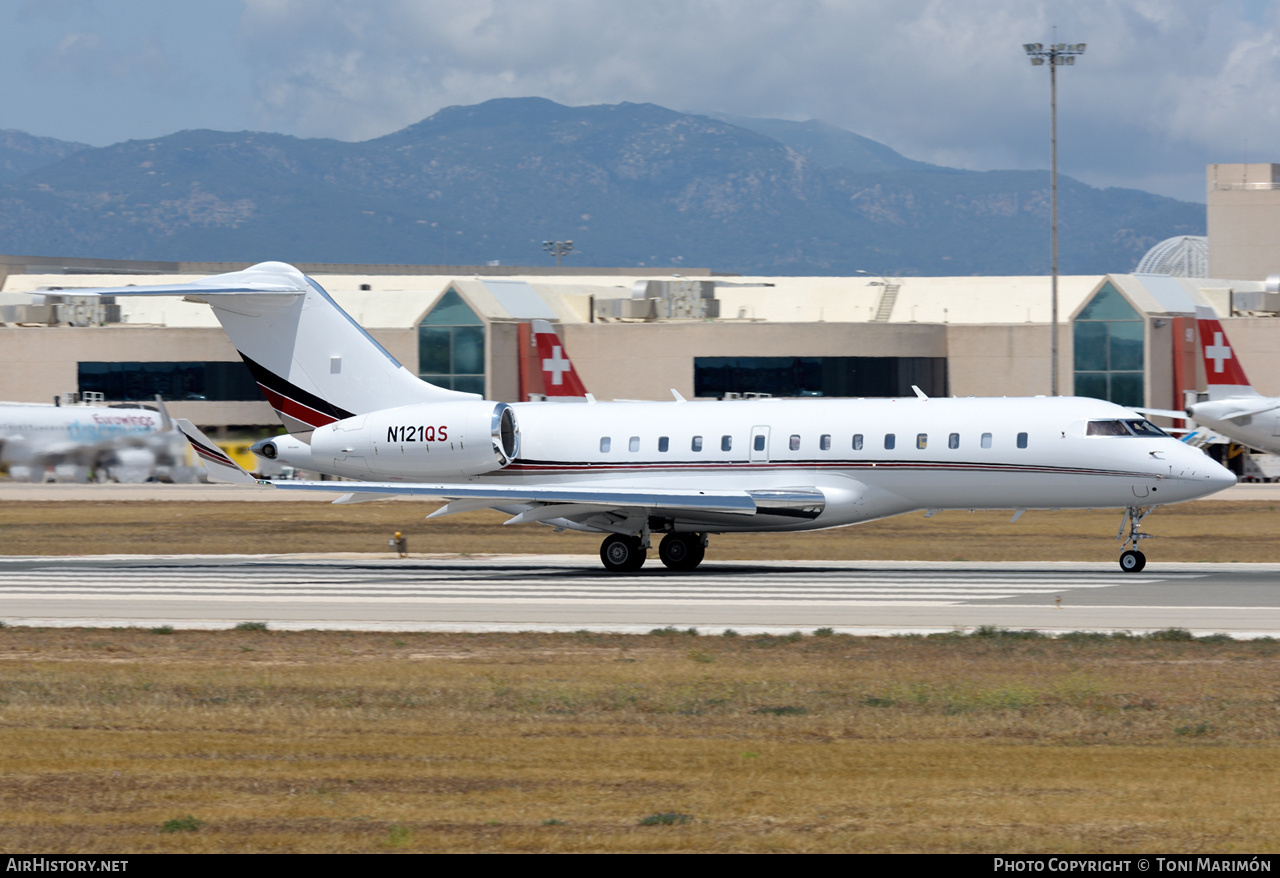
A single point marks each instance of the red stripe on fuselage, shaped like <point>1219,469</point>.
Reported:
<point>579,468</point>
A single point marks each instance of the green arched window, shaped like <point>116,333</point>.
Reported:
<point>451,346</point>
<point>1108,343</point>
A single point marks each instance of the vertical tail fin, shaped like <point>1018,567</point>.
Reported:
<point>313,363</point>
<point>558,374</point>
<point>1223,373</point>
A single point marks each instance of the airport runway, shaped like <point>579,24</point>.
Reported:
<point>565,593</point>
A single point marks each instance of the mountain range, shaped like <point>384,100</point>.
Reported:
<point>629,184</point>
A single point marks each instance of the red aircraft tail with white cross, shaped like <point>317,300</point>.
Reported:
<point>558,374</point>
<point>1234,409</point>
<point>1224,375</point>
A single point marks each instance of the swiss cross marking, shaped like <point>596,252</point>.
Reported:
<point>557,365</point>
<point>1218,352</point>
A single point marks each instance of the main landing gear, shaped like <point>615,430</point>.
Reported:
<point>623,553</point>
<point>1131,560</point>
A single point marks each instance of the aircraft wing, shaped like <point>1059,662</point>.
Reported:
<point>583,499</point>
<point>1162,413</point>
<point>539,503</point>
<point>1248,411</point>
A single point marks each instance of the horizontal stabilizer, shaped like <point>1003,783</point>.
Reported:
<point>221,468</point>
<point>264,279</point>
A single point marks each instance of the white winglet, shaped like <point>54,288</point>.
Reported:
<point>220,467</point>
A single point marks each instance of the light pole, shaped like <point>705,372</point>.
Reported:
<point>1056,55</point>
<point>560,248</point>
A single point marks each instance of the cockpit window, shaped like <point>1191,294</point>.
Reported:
<point>1124,428</point>
<point>1106,428</point>
<point>1144,428</point>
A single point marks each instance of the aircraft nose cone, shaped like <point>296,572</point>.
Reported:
<point>1221,477</point>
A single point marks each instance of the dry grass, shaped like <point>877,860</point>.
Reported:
<point>313,741</point>
<point>1206,531</point>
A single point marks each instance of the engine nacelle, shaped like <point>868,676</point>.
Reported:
<point>284,450</point>
<point>427,440</point>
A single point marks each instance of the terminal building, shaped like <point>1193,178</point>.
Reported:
<point>641,333</point>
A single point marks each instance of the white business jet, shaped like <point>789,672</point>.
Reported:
<point>127,441</point>
<point>1233,408</point>
<point>687,470</point>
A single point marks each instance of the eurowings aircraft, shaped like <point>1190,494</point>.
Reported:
<point>687,470</point>
<point>129,441</point>
<point>1233,408</point>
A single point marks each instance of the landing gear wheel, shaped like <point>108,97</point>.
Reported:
<point>682,551</point>
<point>622,554</point>
<point>1132,561</point>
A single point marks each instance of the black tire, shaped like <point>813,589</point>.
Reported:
<point>622,554</point>
<point>1132,561</point>
<point>681,551</point>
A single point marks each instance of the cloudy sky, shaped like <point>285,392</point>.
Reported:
<point>1165,87</point>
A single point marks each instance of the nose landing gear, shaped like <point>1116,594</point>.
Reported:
<point>1132,560</point>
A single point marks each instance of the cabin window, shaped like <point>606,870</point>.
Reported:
<point>1022,440</point>
<point>604,443</point>
<point>953,441</point>
<point>857,441</point>
<point>825,442</point>
<point>664,443</point>
<point>758,442</point>
<point>890,440</point>
<point>794,445</point>
<point>634,443</point>
<point>986,440</point>
<point>922,441</point>
<point>696,445</point>
<point>726,443</point>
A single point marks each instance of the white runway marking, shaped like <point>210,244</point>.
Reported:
<point>569,593</point>
<point>539,584</point>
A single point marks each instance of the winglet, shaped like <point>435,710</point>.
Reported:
<point>221,468</point>
<point>166,422</point>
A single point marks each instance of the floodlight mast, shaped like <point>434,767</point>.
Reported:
<point>559,248</point>
<point>1056,55</point>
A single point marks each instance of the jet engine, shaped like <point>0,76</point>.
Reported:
<point>444,440</point>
